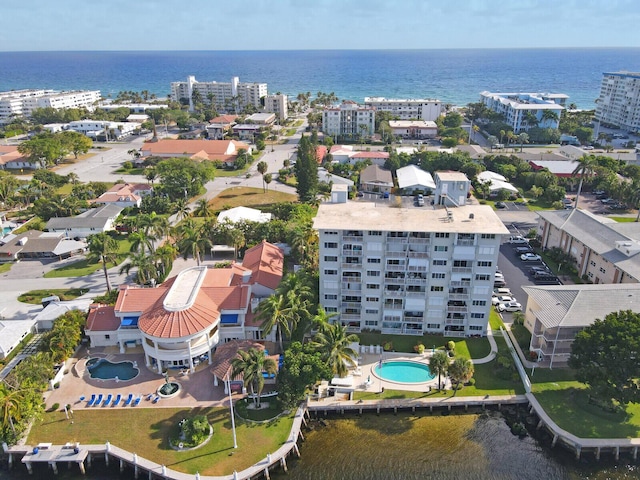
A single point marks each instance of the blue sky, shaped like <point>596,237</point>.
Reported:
<point>316,24</point>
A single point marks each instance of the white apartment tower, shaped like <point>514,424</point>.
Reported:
<point>18,103</point>
<point>407,109</point>
<point>348,119</point>
<point>278,104</point>
<point>518,108</point>
<point>619,100</point>
<point>408,270</point>
<point>232,95</point>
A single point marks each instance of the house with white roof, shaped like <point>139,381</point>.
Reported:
<point>181,322</point>
<point>45,318</point>
<point>35,244</point>
<point>412,179</point>
<point>243,214</point>
<point>413,128</point>
<point>325,176</point>
<point>555,314</point>
<point>452,188</point>
<point>496,182</point>
<point>605,251</point>
<point>94,220</point>
<point>12,332</point>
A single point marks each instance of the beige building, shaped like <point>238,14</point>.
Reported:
<point>555,314</point>
<point>402,269</point>
<point>605,251</point>
<point>277,104</point>
<point>233,95</point>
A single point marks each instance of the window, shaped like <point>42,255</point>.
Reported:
<point>374,260</point>
<point>441,248</point>
<point>330,245</point>
<point>439,262</point>
<point>442,235</point>
<point>330,258</point>
<point>475,327</point>
<point>107,337</point>
<point>330,272</point>
<point>438,275</point>
<point>371,323</point>
<point>433,325</point>
<point>477,315</point>
<point>484,264</point>
<point>372,311</point>
<point>592,263</point>
<point>373,286</point>
<point>375,233</point>
<point>331,309</point>
<point>331,297</point>
<point>437,288</point>
<point>482,277</point>
<point>486,250</point>
<point>479,303</point>
<point>602,270</point>
<point>372,299</point>
<point>373,273</point>
<point>488,235</point>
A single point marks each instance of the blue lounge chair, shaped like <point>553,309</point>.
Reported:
<point>157,399</point>
<point>107,400</point>
<point>135,404</point>
<point>98,401</point>
<point>92,400</point>
<point>127,402</point>
<point>150,396</point>
<point>116,402</point>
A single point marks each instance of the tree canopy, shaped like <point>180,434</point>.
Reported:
<point>605,357</point>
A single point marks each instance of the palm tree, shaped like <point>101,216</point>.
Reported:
<point>103,248</point>
<point>586,166</point>
<point>193,241</point>
<point>549,115</point>
<point>298,297</point>
<point>274,313</point>
<point>460,371</point>
<point>262,169</point>
<point>252,364</point>
<point>182,208</point>
<point>438,365</point>
<point>530,119</point>
<point>164,258</point>
<point>334,343</point>
<point>202,208</point>
<point>144,263</point>
<point>522,138</point>
<point>10,406</point>
<point>141,241</point>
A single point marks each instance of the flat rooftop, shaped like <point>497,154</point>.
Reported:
<point>390,217</point>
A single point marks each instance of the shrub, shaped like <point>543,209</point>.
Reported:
<point>471,382</point>
<point>127,165</point>
<point>419,348</point>
<point>388,346</point>
<point>450,345</point>
<point>54,407</point>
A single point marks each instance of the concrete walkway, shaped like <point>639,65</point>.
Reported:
<point>492,353</point>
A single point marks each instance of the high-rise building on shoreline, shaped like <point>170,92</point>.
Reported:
<point>21,103</point>
<point>619,100</point>
<point>427,109</point>
<point>523,111</point>
<point>230,96</point>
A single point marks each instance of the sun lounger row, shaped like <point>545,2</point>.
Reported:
<point>98,400</point>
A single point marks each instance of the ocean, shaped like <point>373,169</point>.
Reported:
<point>455,76</point>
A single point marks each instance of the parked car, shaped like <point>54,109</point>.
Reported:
<point>517,239</point>
<point>502,299</point>
<point>501,205</point>
<point>501,291</point>
<point>521,250</point>
<point>499,283</point>
<point>509,307</point>
<point>534,270</point>
<point>530,257</point>
<point>547,280</point>
<point>588,147</point>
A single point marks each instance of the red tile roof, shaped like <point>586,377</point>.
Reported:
<point>224,119</point>
<point>133,299</point>
<point>370,155</point>
<point>266,261</point>
<point>102,318</point>
<point>214,149</point>
<point>321,152</point>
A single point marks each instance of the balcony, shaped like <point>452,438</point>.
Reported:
<point>394,293</point>
<point>410,294</point>
<point>465,243</point>
<point>352,238</point>
<point>351,279</point>
<point>461,283</point>
<point>394,281</point>
<point>454,321</point>
<point>396,240</point>
<point>393,306</point>
<point>455,308</point>
<point>351,265</point>
<point>461,270</point>
<point>351,304</point>
<point>352,286</point>
<point>396,268</point>
<point>352,253</point>
<point>349,316</point>
<point>420,241</point>
<point>417,268</point>
<point>412,254</point>
<point>416,281</point>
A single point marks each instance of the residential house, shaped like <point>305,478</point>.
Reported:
<point>375,157</point>
<point>225,151</point>
<point>12,332</point>
<point>407,270</point>
<point>12,159</point>
<point>452,188</point>
<point>496,182</point>
<point>375,179</point>
<point>243,214</point>
<point>104,129</point>
<point>556,314</point>
<point>181,322</point>
<point>247,131</point>
<point>219,126</point>
<point>412,179</point>
<point>264,119</point>
<point>94,220</point>
<point>605,251</point>
<point>124,195</point>
<point>34,244</point>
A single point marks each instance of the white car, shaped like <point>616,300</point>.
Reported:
<point>530,257</point>
<point>497,300</point>
<point>509,307</point>
<point>517,239</point>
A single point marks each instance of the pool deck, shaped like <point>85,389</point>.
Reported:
<point>197,388</point>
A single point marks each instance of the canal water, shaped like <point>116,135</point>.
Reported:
<point>409,446</point>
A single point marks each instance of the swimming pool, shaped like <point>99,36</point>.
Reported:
<point>402,371</point>
<point>105,370</point>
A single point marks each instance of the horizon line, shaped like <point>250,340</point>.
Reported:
<point>332,49</point>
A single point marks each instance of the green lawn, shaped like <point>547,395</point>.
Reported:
<point>83,267</point>
<point>146,431</point>
<point>131,171</point>
<point>495,321</point>
<point>5,267</point>
<point>624,219</point>
<point>522,335</point>
<point>35,297</point>
<point>248,197</point>
<point>466,347</point>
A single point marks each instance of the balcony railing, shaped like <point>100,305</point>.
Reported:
<point>394,293</point>
<point>393,306</point>
<point>352,238</point>
<point>396,268</point>
<point>421,241</point>
<point>352,286</point>
<point>461,269</point>
<point>410,294</point>
<point>465,243</point>
<point>412,254</point>
<point>349,316</point>
<point>458,296</point>
<point>351,265</point>
<point>351,253</point>
<point>416,281</point>
<point>417,268</point>
<point>458,309</point>
<point>351,279</point>
<point>394,281</point>
<point>461,283</point>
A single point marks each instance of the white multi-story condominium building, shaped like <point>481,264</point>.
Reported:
<point>407,109</point>
<point>98,128</point>
<point>518,109</point>
<point>348,119</point>
<point>408,270</point>
<point>605,251</point>
<point>619,100</point>
<point>23,102</point>
<point>277,104</point>
<point>226,95</point>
